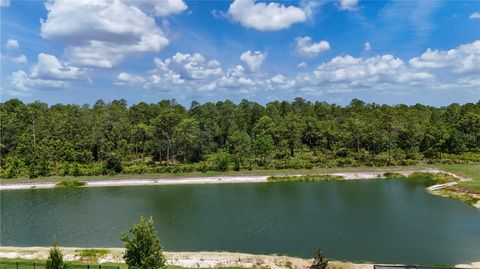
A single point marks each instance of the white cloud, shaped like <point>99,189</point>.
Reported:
<point>12,44</point>
<point>185,69</point>
<point>369,71</point>
<point>194,66</point>
<point>22,84</point>
<point>4,3</point>
<point>49,67</point>
<point>348,4</point>
<point>128,79</point>
<point>162,7</point>
<point>302,65</point>
<point>306,47</point>
<point>101,33</point>
<point>265,17</point>
<point>475,16</point>
<point>21,59</point>
<point>463,59</point>
<point>367,46</point>
<point>253,59</point>
<point>47,73</point>
<point>344,73</point>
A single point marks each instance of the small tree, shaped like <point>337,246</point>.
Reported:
<point>55,259</point>
<point>113,164</point>
<point>319,261</point>
<point>143,249</point>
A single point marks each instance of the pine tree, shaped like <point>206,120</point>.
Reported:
<point>55,259</point>
<point>319,260</point>
<point>143,249</point>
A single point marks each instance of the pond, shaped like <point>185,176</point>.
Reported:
<point>382,221</point>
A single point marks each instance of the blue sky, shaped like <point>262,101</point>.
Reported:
<point>147,50</point>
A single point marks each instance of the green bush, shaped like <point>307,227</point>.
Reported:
<point>222,159</point>
<point>75,170</point>
<point>393,175</point>
<point>70,184</point>
<point>113,164</point>
<point>55,259</point>
<point>143,249</point>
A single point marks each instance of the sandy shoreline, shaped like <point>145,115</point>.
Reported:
<point>211,180</point>
<point>203,259</point>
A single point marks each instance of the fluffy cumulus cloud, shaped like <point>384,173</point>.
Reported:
<point>306,47</point>
<point>102,33</point>
<point>49,67</point>
<point>463,59</point>
<point>12,44</point>
<point>161,8</point>
<point>366,71</point>
<point>475,16</point>
<point>129,79</point>
<point>265,17</point>
<point>183,69</point>
<point>348,4</point>
<point>453,69</point>
<point>47,73</point>
<point>253,59</point>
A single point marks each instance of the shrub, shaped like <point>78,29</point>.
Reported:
<point>222,159</point>
<point>44,168</point>
<point>319,260</point>
<point>32,171</point>
<point>393,175</point>
<point>75,170</point>
<point>143,249</point>
<point>113,164</point>
<point>70,184</point>
<point>55,259</point>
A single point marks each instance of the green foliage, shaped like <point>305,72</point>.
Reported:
<point>393,175</point>
<point>222,160</point>
<point>55,259</point>
<point>303,178</point>
<point>70,184</point>
<point>319,260</point>
<point>110,138</point>
<point>113,164</point>
<point>437,178</point>
<point>143,249</point>
<point>91,254</point>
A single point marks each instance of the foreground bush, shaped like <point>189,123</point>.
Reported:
<point>55,259</point>
<point>143,249</point>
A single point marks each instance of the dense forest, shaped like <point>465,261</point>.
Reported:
<point>109,138</point>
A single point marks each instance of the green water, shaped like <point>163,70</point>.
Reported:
<point>383,221</point>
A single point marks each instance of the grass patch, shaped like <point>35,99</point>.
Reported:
<point>91,254</point>
<point>303,178</point>
<point>459,194</point>
<point>70,184</point>
<point>471,170</point>
<point>431,178</point>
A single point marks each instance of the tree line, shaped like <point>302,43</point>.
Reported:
<point>108,138</point>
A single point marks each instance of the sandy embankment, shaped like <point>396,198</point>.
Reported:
<point>186,259</point>
<point>210,180</point>
<point>195,259</point>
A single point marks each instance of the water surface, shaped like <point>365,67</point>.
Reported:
<point>383,221</point>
